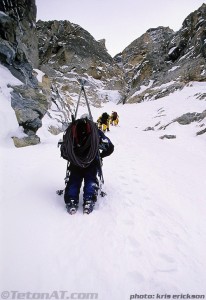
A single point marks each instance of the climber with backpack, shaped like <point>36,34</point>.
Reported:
<point>114,118</point>
<point>83,146</point>
<point>103,122</point>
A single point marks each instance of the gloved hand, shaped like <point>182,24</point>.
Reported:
<point>60,142</point>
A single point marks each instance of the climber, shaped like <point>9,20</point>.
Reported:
<point>114,118</point>
<point>84,147</point>
<point>103,122</point>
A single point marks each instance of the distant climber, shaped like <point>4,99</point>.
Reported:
<point>114,118</point>
<point>103,122</point>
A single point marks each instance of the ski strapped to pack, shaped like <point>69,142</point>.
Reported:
<point>82,82</point>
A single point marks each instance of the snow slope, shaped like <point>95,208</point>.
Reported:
<point>147,236</point>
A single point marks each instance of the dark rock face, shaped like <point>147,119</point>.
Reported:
<point>143,60</point>
<point>190,40</point>
<point>19,53</point>
<point>145,56</point>
<point>168,136</point>
<point>201,132</point>
<point>161,56</point>
<point>191,117</point>
<point>68,51</point>
<point>62,43</point>
<point>30,106</point>
<point>187,49</point>
<point>18,39</point>
<point>186,119</point>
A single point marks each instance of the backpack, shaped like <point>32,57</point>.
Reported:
<point>105,116</point>
<point>80,143</point>
<point>114,115</point>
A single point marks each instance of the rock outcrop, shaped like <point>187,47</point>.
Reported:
<point>67,51</point>
<point>18,38</point>
<point>162,61</point>
<point>19,53</point>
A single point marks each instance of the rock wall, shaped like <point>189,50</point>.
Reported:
<point>67,52</point>
<point>18,38</point>
<point>19,53</point>
<point>162,61</point>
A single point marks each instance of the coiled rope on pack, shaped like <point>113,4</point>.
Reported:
<point>80,155</point>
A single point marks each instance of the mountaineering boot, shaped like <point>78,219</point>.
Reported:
<point>72,207</point>
<point>88,206</point>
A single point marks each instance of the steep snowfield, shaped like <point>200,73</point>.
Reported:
<point>147,236</point>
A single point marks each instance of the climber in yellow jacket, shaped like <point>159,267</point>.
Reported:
<point>114,118</point>
<point>103,122</point>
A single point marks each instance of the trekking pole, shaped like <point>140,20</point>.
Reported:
<point>60,192</point>
<point>102,194</point>
<point>100,167</point>
<point>87,102</point>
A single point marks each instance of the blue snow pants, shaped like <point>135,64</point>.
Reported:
<point>76,177</point>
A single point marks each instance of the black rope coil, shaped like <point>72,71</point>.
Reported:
<point>77,152</point>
